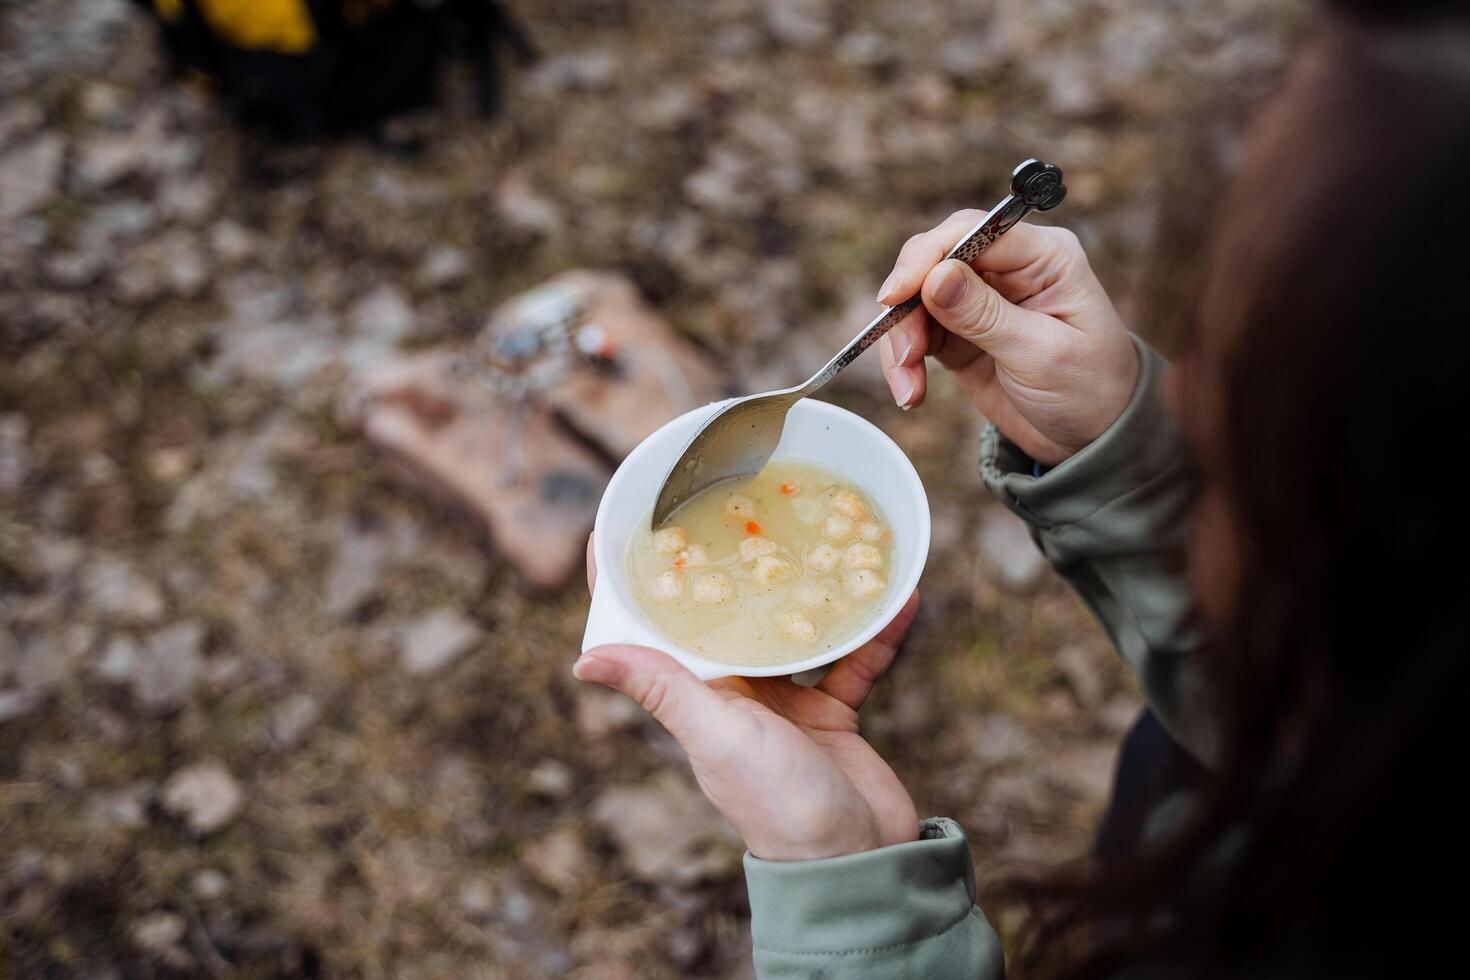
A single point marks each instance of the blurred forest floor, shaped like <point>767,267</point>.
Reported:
<point>212,761</point>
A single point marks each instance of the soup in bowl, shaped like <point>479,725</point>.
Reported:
<point>783,572</point>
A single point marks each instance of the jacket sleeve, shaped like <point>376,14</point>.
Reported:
<point>1114,520</point>
<point>900,912</point>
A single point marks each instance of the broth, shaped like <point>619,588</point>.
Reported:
<point>777,567</point>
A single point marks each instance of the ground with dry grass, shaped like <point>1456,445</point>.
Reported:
<point>214,760</point>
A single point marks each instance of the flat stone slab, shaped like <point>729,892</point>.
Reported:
<point>532,483</point>
<point>655,374</point>
<point>523,463</point>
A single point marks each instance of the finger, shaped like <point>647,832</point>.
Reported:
<point>918,336</point>
<point>967,305</point>
<point>907,383</point>
<point>852,678</point>
<point>909,337</point>
<point>920,253</point>
<point>700,719</point>
<point>591,565</point>
<point>1025,255</point>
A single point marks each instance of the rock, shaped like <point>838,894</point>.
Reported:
<point>997,738</point>
<point>119,659</point>
<point>286,354</point>
<point>9,648</point>
<point>121,810</point>
<point>355,571</point>
<point>522,206</point>
<point>1072,90</point>
<point>205,796</point>
<point>669,108</point>
<point>224,673</point>
<point>17,704</point>
<point>108,158</point>
<point>460,563</point>
<point>58,558</point>
<point>148,147</point>
<point>173,264</point>
<point>799,23</point>
<point>231,242</point>
<point>477,899</point>
<point>601,713</point>
<point>117,590</point>
<point>1120,713</point>
<point>102,102</point>
<point>30,174</point>
<point>19,117</point>
<point>664,830</point>
<point>382,315</point>
<point>1084,675</point>
<point>724,186</point>
<point>550,779</point>
<point>1019,792</point>
<point>158,932</point>
<point>239,467</point>
<point>967,58</point>
<point>864,49</point>
<point>931,95</point>
<point>113,224</point>
<point>209,884</point>
<point>659,375</point>
<point>189,200</point>
<point>687,945</point>
<point>434,640</point>
<point>442,267</point>
<point>291,719</point>
<point>73,270</point>
<point>15,451</point>
<point>168,666</point>
<point>852,146</point>
<point>49,658</point>
<point>1007,551</point>
<point>534,485</point>
<point>169,464</point>
<point>583,71</point>
<point>516,907</point>
<point>1086,770</point>
<point>558,860</point>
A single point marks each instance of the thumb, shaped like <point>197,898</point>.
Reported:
<point>968,306</point>
<point>699,718</point>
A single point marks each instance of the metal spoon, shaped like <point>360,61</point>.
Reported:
<point>739,439</point>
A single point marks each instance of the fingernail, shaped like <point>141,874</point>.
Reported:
<point>887,287</point>
<point>908,349</point>
<point>597,671</point>
<point>905,392</point>
<point>951,287</point>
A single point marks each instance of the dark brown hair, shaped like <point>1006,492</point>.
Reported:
<point>1328,399</point>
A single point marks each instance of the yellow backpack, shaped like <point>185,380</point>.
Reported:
<point>314,66</point>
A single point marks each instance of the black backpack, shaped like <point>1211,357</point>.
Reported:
<point>315,67</point>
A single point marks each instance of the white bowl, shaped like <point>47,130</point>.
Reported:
<point>815,432</point>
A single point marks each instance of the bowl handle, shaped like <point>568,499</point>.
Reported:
<point>609,622</point>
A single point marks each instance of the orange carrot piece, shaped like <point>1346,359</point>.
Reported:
<point>751,527</point>
<point>790,489</point>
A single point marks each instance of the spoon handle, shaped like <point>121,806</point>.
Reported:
<point>1035,186</point>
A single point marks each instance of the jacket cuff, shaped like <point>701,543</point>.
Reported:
<point>1140,446</point>
<point>868,902</point>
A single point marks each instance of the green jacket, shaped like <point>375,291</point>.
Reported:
<point>1113,520</point>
